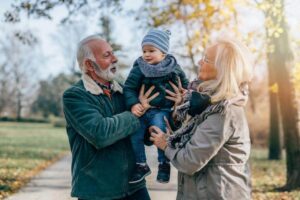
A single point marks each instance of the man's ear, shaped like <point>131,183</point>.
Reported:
<point>88,65</point>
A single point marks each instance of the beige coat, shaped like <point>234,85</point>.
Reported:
<point>213,164</point>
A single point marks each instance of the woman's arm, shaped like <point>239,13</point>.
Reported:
<point>203,146</point>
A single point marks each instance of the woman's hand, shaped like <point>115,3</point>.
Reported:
<point>158,137</point>
<point>144,97</point>
<point>177,95</point>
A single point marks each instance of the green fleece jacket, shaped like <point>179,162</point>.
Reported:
<point>98,128</point>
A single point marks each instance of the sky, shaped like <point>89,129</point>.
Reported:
<point>125,29</point>
<point>47,29</point>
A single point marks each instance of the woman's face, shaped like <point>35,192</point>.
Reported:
<point>207,69</point>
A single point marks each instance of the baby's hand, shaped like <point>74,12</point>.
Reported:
<point>137,109</point>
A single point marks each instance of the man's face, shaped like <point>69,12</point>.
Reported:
<point>105,60</point>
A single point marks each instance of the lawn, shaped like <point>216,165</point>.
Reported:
<point>25,149</point>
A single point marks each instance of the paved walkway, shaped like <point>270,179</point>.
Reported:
<point>54,182</point>
<point>159,191</point>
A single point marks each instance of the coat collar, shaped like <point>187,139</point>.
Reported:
<point>91,86</point>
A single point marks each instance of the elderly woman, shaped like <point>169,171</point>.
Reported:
<point>212,149</point>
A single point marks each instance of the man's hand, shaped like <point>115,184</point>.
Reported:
<point>144,97</point>
<point>137,110</point>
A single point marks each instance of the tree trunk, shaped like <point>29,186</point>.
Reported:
<point>19,105</point>
<point>289,114</point>
<point>291,132</point>
<point>18,93</point>
<point>274,135</point>
<point>281,62</point>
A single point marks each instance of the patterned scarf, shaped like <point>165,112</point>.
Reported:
<point>163,68</point>
<point>180,137</point>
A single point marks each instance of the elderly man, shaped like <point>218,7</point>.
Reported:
<point>98,128</point>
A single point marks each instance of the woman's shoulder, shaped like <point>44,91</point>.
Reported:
<point>224,112</point>
<point>233,118</point>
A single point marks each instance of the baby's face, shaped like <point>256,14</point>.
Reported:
<point>152,55</point>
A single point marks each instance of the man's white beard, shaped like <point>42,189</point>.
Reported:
<point>107,74</point>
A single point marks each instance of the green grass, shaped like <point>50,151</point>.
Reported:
<point>25,149</point>
<point>267,176</point>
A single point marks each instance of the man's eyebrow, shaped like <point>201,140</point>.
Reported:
<point>107,52</point>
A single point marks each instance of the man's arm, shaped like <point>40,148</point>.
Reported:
<point>98,130</point>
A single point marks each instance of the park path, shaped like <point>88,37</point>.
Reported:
<point>54,182</point>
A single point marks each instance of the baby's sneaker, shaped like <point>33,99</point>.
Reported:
<point>140,172</point>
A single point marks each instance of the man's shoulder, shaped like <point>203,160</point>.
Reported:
<point>75,88</point>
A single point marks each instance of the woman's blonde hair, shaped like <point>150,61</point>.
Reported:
<point>234,70</point>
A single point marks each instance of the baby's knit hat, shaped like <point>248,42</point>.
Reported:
<point>158,38</point>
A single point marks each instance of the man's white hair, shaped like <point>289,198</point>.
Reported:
<point>84,51</point>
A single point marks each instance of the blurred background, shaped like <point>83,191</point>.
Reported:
<point>38,40</point>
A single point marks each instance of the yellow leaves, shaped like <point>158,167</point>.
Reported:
<point>268,175</point>
<point>274,88</point>
<point>275,31</point>
<point>274,15</point>
<point>270,47</point>
<point>177,14</point>
<point>296,76</point>
<point>272,6</point>
<point>230,4</point>
<point>205,39</point>
<point>273,22</point>
<point>264,6</point>
<point>278,32</point>
<point>273,196</point>
<point>295,79</point>
<point>197,33</point>
<point>210,10</point>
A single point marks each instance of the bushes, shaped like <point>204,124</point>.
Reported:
<point>55,121</point>
<point>59,122</point>
<point>32,120</point>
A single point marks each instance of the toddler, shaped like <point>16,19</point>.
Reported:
<point>155,67</point>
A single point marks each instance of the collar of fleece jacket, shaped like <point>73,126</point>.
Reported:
<point>91,86</point>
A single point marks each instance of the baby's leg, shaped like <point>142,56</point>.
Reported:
<point>141,168</point>
<point>137,141</point>
<point>158,120</point>
<point>163,175</point>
